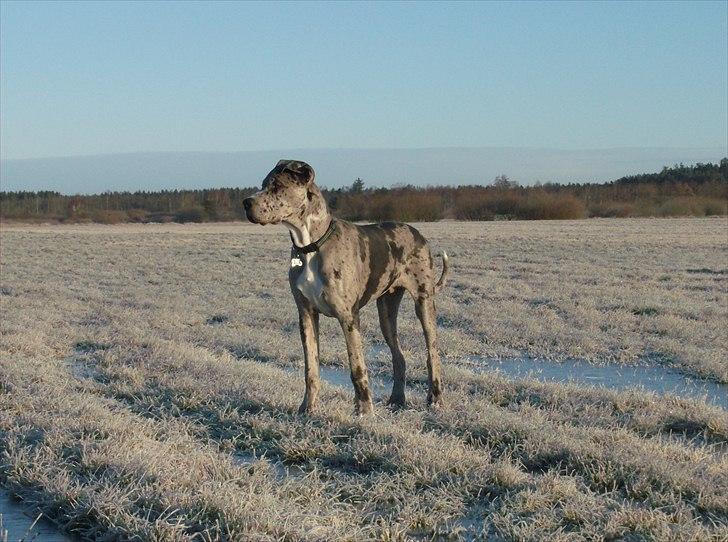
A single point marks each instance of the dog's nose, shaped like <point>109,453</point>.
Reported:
<point>248,203</point>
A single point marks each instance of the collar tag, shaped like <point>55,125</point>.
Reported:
<point>296,262</point>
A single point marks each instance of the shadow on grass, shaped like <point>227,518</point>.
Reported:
<point>603,467</point>
<point>245,424</point>
<point>250,352</point>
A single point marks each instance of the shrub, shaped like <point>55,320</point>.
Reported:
<point>714,206</point>
<point>541,205</point>
<point>419,207</point>
<point>137,215</point>
<point>645,208</point>
<point>506,203</point>
<point>679,206</point>
<point>190,214</point>
<point>473,209</point>
<point>160,217</point>
<point>566,207</point>
<point>109,217</point>
<point>78,217</point>
<point>472,204</point>
<point>612,209</point>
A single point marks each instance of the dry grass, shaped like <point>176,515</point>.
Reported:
<point>143,390</point>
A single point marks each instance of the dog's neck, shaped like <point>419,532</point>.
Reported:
<point>313,222</point>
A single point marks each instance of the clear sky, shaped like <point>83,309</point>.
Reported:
<point>88,78</point>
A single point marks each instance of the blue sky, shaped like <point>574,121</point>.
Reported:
<point>92,78</point>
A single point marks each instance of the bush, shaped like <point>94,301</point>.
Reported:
<point>645,208</point>
<point>109,217</point>
<point>382,211</point>
<point>541,205</point>
<point>566,207</point>
<point>77,219</point>
<point>190,214</point>
<point>714,206</point>
<point>471,204</point>
<point>419,207</point>
<point>613,209</point>
<point>137,215</point>
<point>160,217</point>
<point>506,203</point>
<point>680,206</point>
<point>473,209</point>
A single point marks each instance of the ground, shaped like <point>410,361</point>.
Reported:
<point>150,377</point>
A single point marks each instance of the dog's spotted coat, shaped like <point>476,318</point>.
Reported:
<point>355,265</point>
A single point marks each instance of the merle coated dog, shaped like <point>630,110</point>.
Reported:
<point>338,267</point>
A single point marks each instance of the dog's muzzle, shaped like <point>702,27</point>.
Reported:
<point>248,205</point>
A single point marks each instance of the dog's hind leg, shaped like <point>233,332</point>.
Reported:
<point>425,309</point>
<point>388,307</point>
<point>362,395</point>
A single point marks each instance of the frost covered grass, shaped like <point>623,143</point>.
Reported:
<point>145,390</point>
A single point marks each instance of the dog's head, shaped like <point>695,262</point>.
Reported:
<point>284,196</point>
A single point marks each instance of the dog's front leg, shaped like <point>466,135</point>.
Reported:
<point>308,321</point>
<point>362,395</point>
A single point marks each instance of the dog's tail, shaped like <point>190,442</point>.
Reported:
<point>445,269</point>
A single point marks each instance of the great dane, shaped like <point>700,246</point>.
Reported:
<point>338,267</point>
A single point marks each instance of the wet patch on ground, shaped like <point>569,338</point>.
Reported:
<point>279,469</point>
<point>654,378</point>
<point>18,523</point>
<point>380,384</point>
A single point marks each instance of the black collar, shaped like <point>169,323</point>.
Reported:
<point>316,245</point>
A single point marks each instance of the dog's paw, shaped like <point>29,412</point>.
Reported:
<point>435,402</point>
<point>307,407</point>
<point>363,408</point>
<point>397,402</point>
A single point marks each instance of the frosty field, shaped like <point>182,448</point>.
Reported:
<point>150,377</point>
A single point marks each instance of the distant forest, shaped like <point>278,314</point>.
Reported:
<point>697,190</point>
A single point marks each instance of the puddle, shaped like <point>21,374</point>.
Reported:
<point>655,378</point>
<point>82,367</point>
<point>246,459</point>
<point>379,384</point>
<point>336,375</point>
<point>21,525</point>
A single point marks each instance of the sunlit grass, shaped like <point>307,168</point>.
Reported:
<point>145,389</point>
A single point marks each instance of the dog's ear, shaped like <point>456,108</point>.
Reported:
<point>301,171</point>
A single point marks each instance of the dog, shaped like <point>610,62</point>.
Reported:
<point>337,267</point>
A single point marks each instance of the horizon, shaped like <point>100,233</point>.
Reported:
<point>337,168</point>
<point>403,148</point>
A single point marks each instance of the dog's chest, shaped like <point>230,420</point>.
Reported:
<point>309,283</point>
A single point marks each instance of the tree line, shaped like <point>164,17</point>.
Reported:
<point>681,190</point>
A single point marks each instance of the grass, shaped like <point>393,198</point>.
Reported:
<point>645,311</point>
<point>145,389</point>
